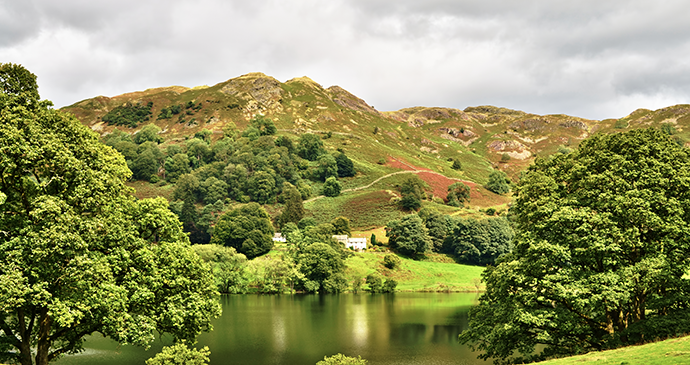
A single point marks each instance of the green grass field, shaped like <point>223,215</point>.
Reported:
<point>419,276</point>
<point>669,352</point>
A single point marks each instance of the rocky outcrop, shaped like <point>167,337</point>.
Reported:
<point>345,99</point>
<point>265,90</point>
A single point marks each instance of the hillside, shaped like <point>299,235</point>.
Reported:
<point>421,140</point>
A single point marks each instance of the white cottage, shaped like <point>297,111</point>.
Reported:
<point>355,243</point>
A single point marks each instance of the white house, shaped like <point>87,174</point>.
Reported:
<point>278,237</point>
<point>354,242</point>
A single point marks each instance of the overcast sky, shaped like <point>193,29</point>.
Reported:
<point>588,58</point>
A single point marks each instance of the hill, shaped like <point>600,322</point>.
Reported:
<point>384,146</point>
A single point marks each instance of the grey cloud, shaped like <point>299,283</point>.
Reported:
<point>589,58</point>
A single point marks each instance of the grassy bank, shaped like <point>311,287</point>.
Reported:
<point>438,273</point>
<point>669,352</point>
<point>435,273</point>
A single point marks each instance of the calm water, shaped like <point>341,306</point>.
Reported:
<point>402,328</point>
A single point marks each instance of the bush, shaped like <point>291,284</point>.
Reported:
<point>341,359</point>
<point>391,261</point>
<point>331,187</point>
<point>389,286</point>
<point>375,283</point>
<point>498,182</point>
<point>180,354</point>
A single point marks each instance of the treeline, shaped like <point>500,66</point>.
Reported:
<point>312,262</point>
<point>252,165</point>
<point>471,241</point>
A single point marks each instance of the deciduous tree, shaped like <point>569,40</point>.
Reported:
<point>78,254</point>
<point>601,253</point>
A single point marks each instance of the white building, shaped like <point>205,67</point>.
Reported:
<point>355,243</point>
<point>278,237</point>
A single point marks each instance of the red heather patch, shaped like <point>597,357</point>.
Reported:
<point>401,164</point>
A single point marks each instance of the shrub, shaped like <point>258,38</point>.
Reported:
<point>391,261</point>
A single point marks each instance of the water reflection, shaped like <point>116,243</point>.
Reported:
<point>405,328</point>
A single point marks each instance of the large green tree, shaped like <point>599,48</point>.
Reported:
<point>78,254</point>
<point>601,253</point>
<point>248,229</point>
<point>408,235</point>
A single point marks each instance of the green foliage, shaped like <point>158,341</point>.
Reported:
<point>18,82</point>
<point>372,240</point>
<point>322,264</point>
<point>458,193</point>
<point>180,354</point>
<point>505,157</point>
<point>375,283</point>
<point>248,229</point>
<point>438,226</point>
<point>294,208</point>
<point>331,187</point>
<point>408,235</point>
<point>310,147</point>
<point>456,164</point>
<point>327,167</point>
<point>341,225</point>
<point>264,125</point>
<point>129,114</point>
<point>177,166</point>
<point>412,191</point>
<point>307,222</point>
<point>479,242</point>
<point>498,182</point>
<point>78,254</point>
<point>601,254</point>
<point>391,261</point>
<point>389,286</point>
<point>345,166</point>
<point>148,133</point>
<point>340,359</point>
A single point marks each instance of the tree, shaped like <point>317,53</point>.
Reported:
<point>261,187</point>
<point>341,225</point>
<point>408,235</point>
<point>498,182</point>
<point>326,168</point>
<point>264,125</point>
<point>148,133</point>
<point>340,359</point>
<point>248,229</point>
<point>229,267</point>
<point>601,251</point>
<point>458,193</point>
<point>331,187</point>
<point>438,225</point>
<point>180,354</point>
<point>391,261</point>
<point>345,166</point>
<point>412,191</point>
<point>479,242</point>
<point>320,263</point>
<point>294,208</point>
<point>310,147</point>
<point>78,254</point>
<point>375,283</point>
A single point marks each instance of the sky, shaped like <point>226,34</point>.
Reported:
<point>591,59</point>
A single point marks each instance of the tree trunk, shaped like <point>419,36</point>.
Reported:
<point>43,346</point>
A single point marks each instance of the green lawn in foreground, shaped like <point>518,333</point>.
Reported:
<point>670,352</point>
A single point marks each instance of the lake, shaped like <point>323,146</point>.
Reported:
<point>386,329</point>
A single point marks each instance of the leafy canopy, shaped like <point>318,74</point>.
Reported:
<point>601,250</point>
<point>78,254</point>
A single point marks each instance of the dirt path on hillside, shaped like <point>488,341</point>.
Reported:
<point>413,171</point>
